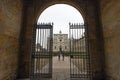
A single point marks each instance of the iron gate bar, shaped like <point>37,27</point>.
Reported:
<point>79,56</point>
<point>33,52</point>
<point>51,50</point>
<point>41,57</point>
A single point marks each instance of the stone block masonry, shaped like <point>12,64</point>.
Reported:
<point>110,13</point>
<point>10,25</point>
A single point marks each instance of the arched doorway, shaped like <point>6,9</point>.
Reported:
<point>88,10</point>
<point>79,64</point>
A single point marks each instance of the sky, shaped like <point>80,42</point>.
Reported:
<point>60,15</point>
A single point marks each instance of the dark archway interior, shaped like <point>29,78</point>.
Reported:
<point>17,18</point>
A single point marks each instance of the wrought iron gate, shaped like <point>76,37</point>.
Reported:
<point>79,57</point>
<point>41,61</point>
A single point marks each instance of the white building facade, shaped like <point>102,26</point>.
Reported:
<point>60,41</point>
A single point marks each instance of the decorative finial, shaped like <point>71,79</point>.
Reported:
<point>60,32</point>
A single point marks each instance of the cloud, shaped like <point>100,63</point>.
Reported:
<point>61,15</point>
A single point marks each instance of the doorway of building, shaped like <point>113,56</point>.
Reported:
<point>60,51</point>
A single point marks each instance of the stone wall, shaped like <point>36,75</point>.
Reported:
<point>64,43</point>
<point>10,24</point>
<point>110,13</point>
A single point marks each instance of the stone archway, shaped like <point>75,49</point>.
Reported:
<point>31,14</point>
<point>41,8</point>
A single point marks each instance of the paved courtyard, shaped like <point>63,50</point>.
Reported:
<point>61,69</point>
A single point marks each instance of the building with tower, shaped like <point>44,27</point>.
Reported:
<point>60,41</point>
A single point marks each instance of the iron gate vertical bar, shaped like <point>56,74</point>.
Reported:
<point>43,50</point>
<point>33,52</point>
<point>82,52</point>
<point>70,47</point>
<point>36,49</point>
<point>39,41</point>
<point>51,49</point>
<point>37,53</point>
<point>77,47</point>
